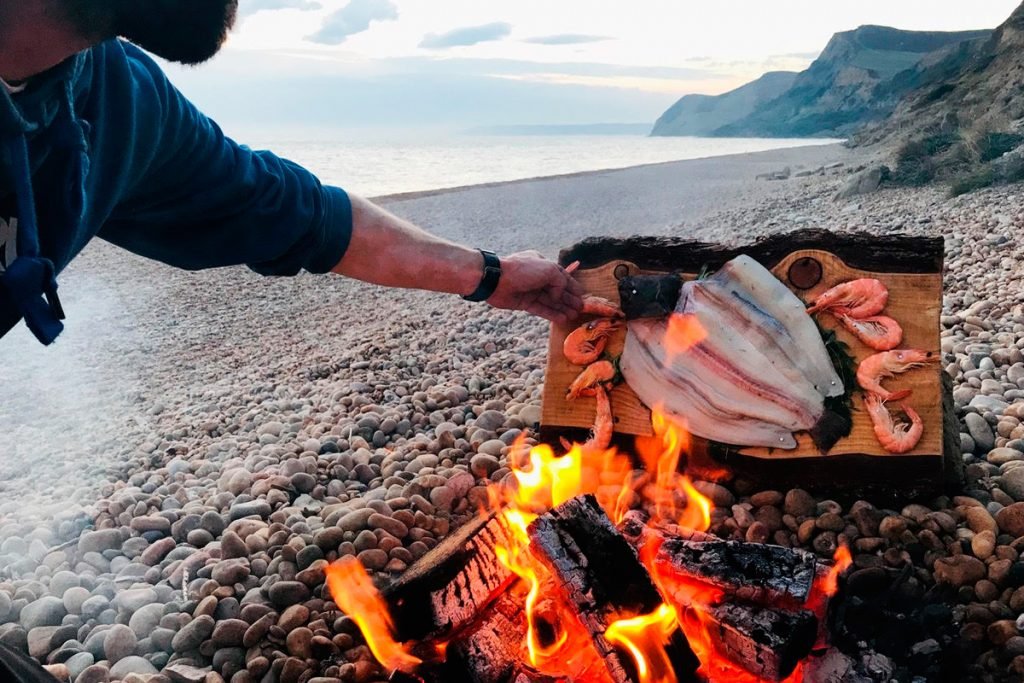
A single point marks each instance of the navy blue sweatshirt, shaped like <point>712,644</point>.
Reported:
<point>103,145</point>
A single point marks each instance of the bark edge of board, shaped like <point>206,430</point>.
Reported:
<point>888,253</point>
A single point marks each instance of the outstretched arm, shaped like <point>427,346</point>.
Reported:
<point>389,251</point>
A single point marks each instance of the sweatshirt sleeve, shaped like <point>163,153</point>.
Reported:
<point>196,199</point>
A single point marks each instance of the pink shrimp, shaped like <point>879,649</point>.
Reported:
<point>596,305</point>
<point>586,343</point>
<point>895,437</point>
<point>604,424</point>
<point>879,332</point>
<point>873,369</point>
<point>599,374</point>
<point>857,298</point>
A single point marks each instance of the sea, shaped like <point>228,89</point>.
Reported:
<point>376,163</point>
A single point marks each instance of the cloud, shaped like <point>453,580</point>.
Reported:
<point>567,39</point>
<point>353,18</point>
<point>470,35</point>
<point>248,7</point>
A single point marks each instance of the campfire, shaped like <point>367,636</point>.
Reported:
<point>587,569</point>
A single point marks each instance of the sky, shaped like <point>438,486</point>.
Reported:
<point>466,63</point>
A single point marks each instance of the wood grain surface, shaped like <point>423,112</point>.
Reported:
<point>915,301</point>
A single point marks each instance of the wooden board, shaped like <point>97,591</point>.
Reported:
<point>910,267</point>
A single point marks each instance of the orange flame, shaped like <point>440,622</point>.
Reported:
<point>556,643</point>
<point>684,332</point>
<point>645,638</point>
<point>842,561</point>
<point>353,591</point>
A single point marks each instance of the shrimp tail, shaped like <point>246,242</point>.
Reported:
<point>829,428</point>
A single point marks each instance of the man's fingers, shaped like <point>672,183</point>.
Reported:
<point>574,286</point>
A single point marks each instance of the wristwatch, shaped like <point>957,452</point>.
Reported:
<point>489,281</point>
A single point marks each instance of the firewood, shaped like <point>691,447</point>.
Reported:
<point>766,642</point>
<point>602,578</point>
<point>448,587</point>
<point>492,651</point>
<point>767,575</point>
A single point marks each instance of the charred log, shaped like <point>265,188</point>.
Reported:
<point>602,578</point>
<point>449,586</point>
<point>766,642</point>
<point>767,575</point>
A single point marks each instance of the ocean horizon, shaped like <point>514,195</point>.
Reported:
<point>379,162</point>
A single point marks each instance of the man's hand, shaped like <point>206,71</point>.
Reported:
<point>529,282</point>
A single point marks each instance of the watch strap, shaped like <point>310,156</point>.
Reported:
<point>489,280</point>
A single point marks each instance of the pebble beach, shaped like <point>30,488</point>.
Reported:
<point>176,473</point>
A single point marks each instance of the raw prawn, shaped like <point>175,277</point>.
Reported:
<point>857,298</point>
<point>604,424</point>
<point>880,332</point>
<point>895,437</point>
<point>585,344</point>
<point>873,369</point>
<point>596,305</point>
<point>599,374</point>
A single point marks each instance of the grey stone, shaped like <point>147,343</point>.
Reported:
<point>257,508</point>
<point>98,541</point>
<point>93,606</point>
<point>61,581</point>
<point>46,611</point>
<point>981,431</point>
<point>145,619</point>
<point>6,605</point>
<point>133,599</point>
<point>865,182</point>
<point>989,403</point>
<point>490,420</point>
<point>132,665</point>
<point>76,664</point>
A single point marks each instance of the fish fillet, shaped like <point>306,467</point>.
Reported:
<point>745,276</point>
<point>753,368</point>
<point>643,368</point>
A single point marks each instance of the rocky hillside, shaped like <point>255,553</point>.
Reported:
<point>860,77</point>
<point>704,114</point>
<point>975,90</point>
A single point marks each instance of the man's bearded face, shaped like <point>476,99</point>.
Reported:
<point>185,31</point>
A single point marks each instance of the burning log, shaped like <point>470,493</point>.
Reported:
<point>768,575</point>
<point>766,642</point>
<point>449,586</point>
<point>603,579</point>
<point>491,652</point>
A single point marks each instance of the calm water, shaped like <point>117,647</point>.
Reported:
<point>374,164</point>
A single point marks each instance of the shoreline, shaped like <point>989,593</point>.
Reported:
<point>420,194</point>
